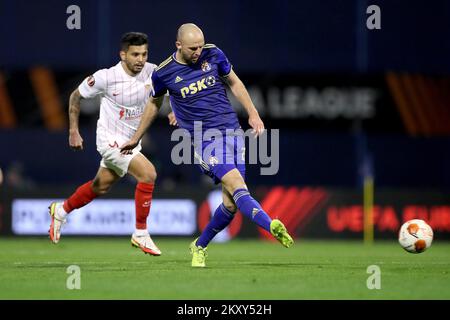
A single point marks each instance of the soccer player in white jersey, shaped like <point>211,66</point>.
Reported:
<point>125,89</point>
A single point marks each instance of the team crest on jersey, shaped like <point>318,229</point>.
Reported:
<point>206,66</point>
<point>90,81</point>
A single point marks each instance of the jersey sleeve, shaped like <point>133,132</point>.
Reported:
<point>224,65</point>
<point>93,85</point>
<point>159,88</point>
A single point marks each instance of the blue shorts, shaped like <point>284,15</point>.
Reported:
<point>218,156</point>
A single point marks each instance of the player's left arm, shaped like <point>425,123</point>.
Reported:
<point>150,112</point>
<point>171,116</point>
<point>240,92</point>
<point>172,120</point>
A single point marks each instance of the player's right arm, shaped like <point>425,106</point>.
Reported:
<point>150,112</point>
<point>75,139</point>
<point>89,88</point>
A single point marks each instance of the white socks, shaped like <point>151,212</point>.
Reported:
<point>60,212</point>
<point>140,232</point>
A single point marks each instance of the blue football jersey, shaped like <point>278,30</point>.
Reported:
<point>197,92</point>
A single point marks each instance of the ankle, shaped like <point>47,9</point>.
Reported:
<point>141,232</point>
<point>60,211</point>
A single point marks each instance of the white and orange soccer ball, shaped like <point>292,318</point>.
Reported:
<point>415,236</point>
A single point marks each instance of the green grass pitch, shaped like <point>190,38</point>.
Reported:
<point>33,268</point>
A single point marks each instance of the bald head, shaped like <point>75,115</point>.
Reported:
<point>189,31</point>
<point>190,42</point>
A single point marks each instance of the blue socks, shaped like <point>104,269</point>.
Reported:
<point>251,208</point>
<point>222,216</point>
<point>221,219</point>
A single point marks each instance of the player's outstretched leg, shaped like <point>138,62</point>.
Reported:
<point>279,231</point>
<point>199,254</point>
<point>253,210</point>
<point>233,181</point>
<point>58,218</point>
<point>58,211</point>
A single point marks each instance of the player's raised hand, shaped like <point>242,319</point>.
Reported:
<point>256,123</point>
<point>127,148</point>
<point>75,140</point>
<point>172,119</point>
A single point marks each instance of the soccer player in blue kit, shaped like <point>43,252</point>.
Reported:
<point>195,77</point>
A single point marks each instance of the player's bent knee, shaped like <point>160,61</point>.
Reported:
<point>100,190</point>
<point>148,177</point>
<point>233,181</point>
<point>231,188</point>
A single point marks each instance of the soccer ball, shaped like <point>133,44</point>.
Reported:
<point>415,236</point>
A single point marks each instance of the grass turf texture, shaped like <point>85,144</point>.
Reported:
<point>33,268</point>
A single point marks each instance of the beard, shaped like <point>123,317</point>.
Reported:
<point>189,59</point>
<point>134,67</point>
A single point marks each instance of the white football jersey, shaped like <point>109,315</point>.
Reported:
<point>124,98</point>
